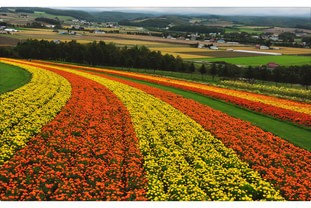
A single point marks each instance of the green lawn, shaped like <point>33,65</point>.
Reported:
<point>256,30</point>
<point>260,60</point>
<point>300,136</point>
<point>12,77</point>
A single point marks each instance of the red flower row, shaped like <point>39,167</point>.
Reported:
<point>281,113</point>
<point>88,152</point>
<point>281,163</point>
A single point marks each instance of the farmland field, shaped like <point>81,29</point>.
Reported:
<point>14,18</point>
<point>116,135</point>
<point>247,29</point>
<point>262,60</point>
<point>8,41</point>
<point>223,54</point>
<point>283,50</point>
<point>165,46</point>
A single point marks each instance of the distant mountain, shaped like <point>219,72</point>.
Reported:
<point>144,19</point>
<point>157,22</point>
<point>108,16</point>
<point>164,21</point>
<point>272,21</point>
<point>72,13</point>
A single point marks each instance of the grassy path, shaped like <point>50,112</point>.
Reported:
<point>284,60</point>
<point>12,77</point>
<point>297,135</point>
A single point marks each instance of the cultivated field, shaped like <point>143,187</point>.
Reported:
<point>283,50</point>
<point>17,19</point>
<point>174,47</point>
<point>247,29</point>
<point>8,41</point>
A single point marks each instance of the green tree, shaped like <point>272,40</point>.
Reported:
<point>213,70</point>
<point>249,74</point>
<point>202,70</point>
<point>191,69</point>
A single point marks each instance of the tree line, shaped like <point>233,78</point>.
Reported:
<point>97,53</point>
<point>48,20</point>
<point>108,54</point>
<point>285,74</point>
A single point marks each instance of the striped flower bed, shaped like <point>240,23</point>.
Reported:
<point>284,109</point>
<point>88,152</point>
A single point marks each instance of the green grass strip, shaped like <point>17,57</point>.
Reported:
<point>300,136</point>
<point>12,77</point>
<point>284,60</point>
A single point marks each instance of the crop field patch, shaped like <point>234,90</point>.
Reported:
<point>223,54</point>
<point>186,55</point>
<point>8,41</point>
<point>283,50</point>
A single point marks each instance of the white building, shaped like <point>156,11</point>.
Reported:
<point>264,47</point>
<point>10,30</point>
<point>200,45</point>
<point>214,47</point>
<point>233,43</point>
<point>258,52</point>
<point>50,26</point>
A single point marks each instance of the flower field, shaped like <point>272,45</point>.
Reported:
<point>88,152</point>
<point>284,109</point>
<point>21,109</point>
<point>286,166</point>
<point>113,139</point>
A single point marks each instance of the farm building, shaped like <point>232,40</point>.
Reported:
<point>213,47</point>
<point>259,52</point>
<point>272,65</point>
<point>274,38</point>
<point>50,26</point>
<point>233,43</point>
<point>56,41</point>
<point>10,30</point>
<point>264,47</point>
<point>99,32</point>
<point>201,45</point>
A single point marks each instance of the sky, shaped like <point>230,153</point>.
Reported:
<point>221,7</point>
<point>157,3</point>
<point>262,11</point>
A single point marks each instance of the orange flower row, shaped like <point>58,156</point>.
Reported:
<point>281,163</point>
<point>280,108</point>
<point>88,152</point>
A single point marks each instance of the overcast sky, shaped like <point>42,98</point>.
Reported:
<point>221,7</point>
<point>218,10</point>
<point>290,7</point>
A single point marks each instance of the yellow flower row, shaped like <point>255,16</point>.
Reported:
<point>284,92</point>
<point>182,160</point>
<point>26,110</point>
